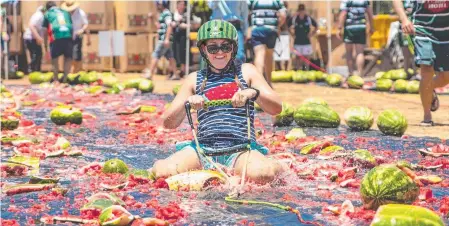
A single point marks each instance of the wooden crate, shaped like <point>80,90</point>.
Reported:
<point>91,60</point>
<point>136,54</point>
<point>100,14</point>
<point>132,16</point>
<point>16,43</point>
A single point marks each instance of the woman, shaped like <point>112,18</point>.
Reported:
<point>222,130</point>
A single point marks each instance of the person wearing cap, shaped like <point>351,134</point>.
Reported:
<point>80,25</point>
<point>353,18</point>
<point>30,35</point>
<point>303,27</point>
<point>219,93</point>
<point>58,23</point>
<point>163,46</point>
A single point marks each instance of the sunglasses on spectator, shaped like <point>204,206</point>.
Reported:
<point>225,48</point>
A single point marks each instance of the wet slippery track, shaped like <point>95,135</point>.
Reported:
<point>108,137</point>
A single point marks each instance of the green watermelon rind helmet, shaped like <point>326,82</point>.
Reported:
<point>217,29</point>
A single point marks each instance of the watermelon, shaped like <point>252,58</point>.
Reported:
<point>9,123</point>
<point>386,75</point>
<point>257,107</point>
<point>146,86</point>
<point>392,122</point>
<point>315,100</point>
<point>282,76</point>
<point>379,74</point>
<point>133,83</point>
<point>386,184</point>
<point>320,76</point>
<point>108,79</point>
<point>384,84</point>
<point>316,115</point>
<point>3,89</point>
<point>355,82</point>
<point>413,87</point>
<point>400,86</point>
<point>38,77</point>
<point>398,74</point>
<point>65,114</point>
<point>176,89</point>
<point>364,156</point>
<point>359,118</point>
<point>400,214</point>
<point>285,118</point>
<point>194,180</point>
<point>73,78</point>
<point>93,89</point>
<point>88,78</point>
<point>115,215</point>
<point>334,80</point>
<point>115,166</point>
<point>300,77</point>
<point>222,92</point>
<point>311,76</point>
<point>294,134</point>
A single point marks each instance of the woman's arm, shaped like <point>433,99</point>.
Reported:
<point>175,114</point>
<point>268,99</point>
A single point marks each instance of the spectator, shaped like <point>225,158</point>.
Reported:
<point>163,46</point>
<point>352,18</point>
<point>180,25</point>
<point>266,18</point>
<point>59,26</point>
<point>429,26</point>
<point>235,12</point>
<point>5,27</point>
<point>30,36</point>
<point>80,24</point>
<point>303,27</point>
<point>283,65</point>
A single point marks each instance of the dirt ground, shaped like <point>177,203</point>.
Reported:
<point>340,100</point>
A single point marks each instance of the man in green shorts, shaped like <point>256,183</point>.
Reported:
<point>352,17</point>
<point>430,27</point>
<point>59,26</point>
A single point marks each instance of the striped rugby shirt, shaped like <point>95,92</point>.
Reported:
<point>355,18</point>
<point>223,129</point>
<point>165,18</point>
<point>431,20</point>
<point>264,12</point>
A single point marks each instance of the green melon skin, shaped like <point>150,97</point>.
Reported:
<point>359,118</point>
<point>387,184</point>
<point>115,166</point>
<point>405,215</point>
<point>9,124</point>
<point>88,78</point>
<point>146,86</point>
<point>285,118</point>
<point>38,77</point>
<point>281,76</point>
<point>400,86</point>
<point>334,80</point>
<point>300,77</point>
<point>355,82</point>
<point>176,89</point>
<point>384,85</point>
<point>392,122</point>
<point>64,114</point>
<point>316,115</point>
<point>413,87</point>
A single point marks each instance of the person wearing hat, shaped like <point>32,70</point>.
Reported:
<point>80,24</point>
<point>33,44</point>
<point>226,132</point>
<point>303,27</point>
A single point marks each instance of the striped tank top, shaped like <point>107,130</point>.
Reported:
<point>431,20</point>
<point>223,129</point>
<point>355,19</point>
<point>264,13</point>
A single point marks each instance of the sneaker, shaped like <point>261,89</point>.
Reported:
<point>427,123</point>
<point>435,102</point>
<point>147,74</point>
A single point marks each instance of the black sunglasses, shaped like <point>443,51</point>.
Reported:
<point>225,48</point>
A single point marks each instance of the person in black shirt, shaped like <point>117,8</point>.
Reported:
<point>302,28</point>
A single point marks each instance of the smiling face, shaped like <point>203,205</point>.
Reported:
<point>219,59</point>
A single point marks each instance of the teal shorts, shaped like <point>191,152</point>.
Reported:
<point>226,160</point>
<point>429,53</point>
<point>354,36</point>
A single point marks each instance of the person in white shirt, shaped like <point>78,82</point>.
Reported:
<point>80,24</point>
<point>33,44</point>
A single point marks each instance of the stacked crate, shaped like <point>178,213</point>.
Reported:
<point>100,15</point>
<point>132,18</point>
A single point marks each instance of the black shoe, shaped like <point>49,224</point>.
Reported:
<point>435,102</point>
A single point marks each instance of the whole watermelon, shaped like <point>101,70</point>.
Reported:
<point>88,78</point>
<point>334,80</point>
<point>400,214</point>
<point>285,118</point>
<point>316,115</point>
<point>384,84</point>
<point>108,79</point>
<point>398,74</point>
<point>133,83</point>
<point>281,76</point>
<point>359,118</point>
<point>320,76</point>
<point>64,114</point>
<point>355,82</point>
<point>176,88</point>
<point>300,77</point>
<point>413,87</point>
<point>386,184</point>
<point>311,77</point>
<point>387,75</point>
<point>146,86</point>
<point>400,86</point>
<point>392,122</point>
<point>38,77</point>
<point>379,74</point>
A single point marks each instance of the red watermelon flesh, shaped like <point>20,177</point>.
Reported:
<point>222,92</point>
